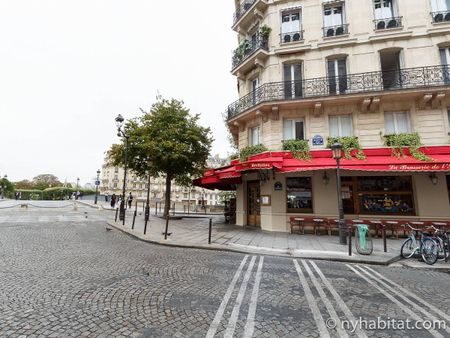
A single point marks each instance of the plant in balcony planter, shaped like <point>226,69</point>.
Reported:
<point>242,49</point>
<point>399,141</point>
<point>246,152</point>
<point>264,32</point>
<point>349,143</point>
<point>299,149</point>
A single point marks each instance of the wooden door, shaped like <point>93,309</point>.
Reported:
<point>253,203</point>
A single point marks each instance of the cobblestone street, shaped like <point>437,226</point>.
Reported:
<point>64,275</point>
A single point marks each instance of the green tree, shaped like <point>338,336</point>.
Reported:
<point>24,184</point>
<point>8,187</point>
<point>45,181</point>
<point>167,141</point>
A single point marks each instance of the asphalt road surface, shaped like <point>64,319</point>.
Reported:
<point>62,274</point>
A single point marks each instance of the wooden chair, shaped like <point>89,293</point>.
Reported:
<point>393,226</point>
<point>297,222</point>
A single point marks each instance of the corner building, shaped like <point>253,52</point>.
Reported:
<point>355,68</point>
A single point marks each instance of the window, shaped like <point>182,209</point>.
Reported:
<point>255,84</point>
<point>290,26</point>
<point>337,75</point>
<point>334,21</point>
<point>116,169</point>
<point>254,136</point>
<point>292,80</point>
<point>391,195</point>
<point>341,125</point>
<point>299,194</point>
<point>384,9</point>
<point>115,185</point>
<point>293,130</point>
<point>445,56</point>
<point>440,5</point>
<point>396,123</point>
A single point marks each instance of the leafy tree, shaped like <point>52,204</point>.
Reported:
<point>8,187</point>
<point>45,181</point>
<point>167,141</point>
<point>24,184</point>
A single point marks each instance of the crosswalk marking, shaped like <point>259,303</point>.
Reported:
<point>250,324</point>
<point>393,299</point>
<point>312,303</point>
<point>237,305</point>
<point>339,300</point>
<point>218,317</point>
<point>326,301</point>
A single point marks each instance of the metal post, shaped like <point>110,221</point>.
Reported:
<point>189,200</point>
<point>167,227</point>
<point>156,208</point>
<point>96,186</point>
<point>122,203</point>
<point>173,213</point>
<point>384,239</point>
<point>350,240</point>
<point>147,207</point>
<point>342,239</point>
<point>210,230</point>
<point>117,211</point>
<point>134,219</point>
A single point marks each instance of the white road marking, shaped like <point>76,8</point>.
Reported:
<point>326,301</point>
<point>250,324</point>
<point>218,317</point>
<point>339,301</point>
<point>237,305</point>
<point>426,313</point>
<point>394,300</point>
<point>312,303</point>
<point>411,294</point>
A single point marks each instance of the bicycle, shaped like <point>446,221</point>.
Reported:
<point>443,241</point>
<point>426,246</point>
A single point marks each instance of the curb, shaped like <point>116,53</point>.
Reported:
<point>262,251</point>
<point>404,264</point>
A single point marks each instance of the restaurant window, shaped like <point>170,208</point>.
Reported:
<point>448,187</point>
<point>341,125</point>
<point>294,129</point>
<point>397,123</point>
<point>299,194</point>
<point>385,195</point>
<point>254,136</point>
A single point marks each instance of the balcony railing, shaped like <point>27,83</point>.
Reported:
<point>335,30</point>
<point>438,17</point>
<point>388,23</point>
<point>248,48</point>
<point>291,37</point>
<point>408,78</point>
<point>242,10</point>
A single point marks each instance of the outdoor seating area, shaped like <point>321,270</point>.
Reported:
<point>394,228</point>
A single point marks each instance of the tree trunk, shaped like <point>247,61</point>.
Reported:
<point>167,199</point>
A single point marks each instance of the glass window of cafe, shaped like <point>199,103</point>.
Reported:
<point>379,195</point>
<point>299,195</point>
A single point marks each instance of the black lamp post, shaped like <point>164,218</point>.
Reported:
<point>121,133</point>
<point>96,186</point>
<point>76,193</point>
<point>147,205</point>
<point>337,155</point>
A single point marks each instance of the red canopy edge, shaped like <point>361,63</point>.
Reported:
<point>377,159</point>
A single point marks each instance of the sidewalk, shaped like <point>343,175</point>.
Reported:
<point>193,233</point>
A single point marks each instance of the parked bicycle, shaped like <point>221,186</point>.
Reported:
<point>442,239</point>
<point>426,247</point>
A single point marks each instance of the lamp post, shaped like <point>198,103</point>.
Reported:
<point>76,193</point>
<point>337,155</point>
<point>121,133</point>
<point>97,183</point>
<point>147,205</point>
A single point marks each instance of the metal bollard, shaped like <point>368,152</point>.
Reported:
<point>134,219</point>
<point>117,212</point>
<point>210,230</point>
<point>156,208</point>
<point>350,240</point>
<point>167,227</point>
<point>173,213</point>
<point>384,239</point>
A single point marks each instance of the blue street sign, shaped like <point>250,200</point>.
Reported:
<point>97,182</point>
<point>317,140</point>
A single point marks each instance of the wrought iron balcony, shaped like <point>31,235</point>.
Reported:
<point>291,37</point>
<point>438,17</point>
<point>408,78</point>
<point>335,30</point>
<point>248,48</point>
<point>245,6</point>
<point>388,23</point>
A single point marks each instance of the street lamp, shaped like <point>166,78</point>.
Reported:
<point>97,183</point>
<point>121,133</point>
<point>78,183</point>
<point>337,155</point>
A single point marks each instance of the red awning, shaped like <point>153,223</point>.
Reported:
<point>377,159</point>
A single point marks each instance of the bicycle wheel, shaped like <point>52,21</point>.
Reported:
<point>408,249</point>
<point>443,251</point>
<point>429,251</point>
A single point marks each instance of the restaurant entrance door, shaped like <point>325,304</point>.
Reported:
<point>254,204</point>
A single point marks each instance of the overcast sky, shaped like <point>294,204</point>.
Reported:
<point>67,68</point>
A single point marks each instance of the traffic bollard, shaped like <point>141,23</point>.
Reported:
<point>210,230</point>
<point>167,227</point>
<point>350,240</point>
<point>384,239</point>
<point>117,212</point>
<point>173,212</point>
<point>134,219</point>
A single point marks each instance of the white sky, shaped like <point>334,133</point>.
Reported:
<point>67,68</point>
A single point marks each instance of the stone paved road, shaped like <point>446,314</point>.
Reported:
<point>69,277</point>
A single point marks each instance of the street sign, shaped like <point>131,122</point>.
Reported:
<point>97,182</point>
